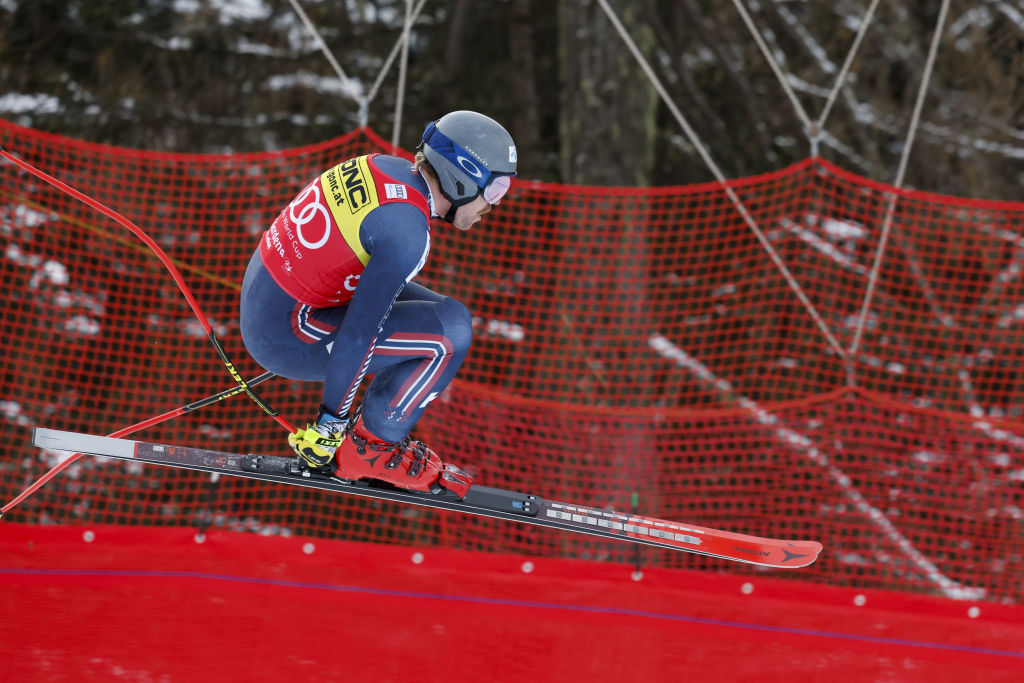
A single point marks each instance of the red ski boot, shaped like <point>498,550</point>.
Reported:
<point>406,464</point>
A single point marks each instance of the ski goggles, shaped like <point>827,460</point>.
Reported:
<point>493,186</point>
<point>497,188</point>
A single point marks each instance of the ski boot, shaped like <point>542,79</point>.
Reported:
<point>405,464</point>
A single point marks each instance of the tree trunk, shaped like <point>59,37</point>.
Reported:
<point>607,126</point>
<point>607,119</point>
<point>526,124</point>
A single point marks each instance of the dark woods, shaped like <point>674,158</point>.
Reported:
<point>219,76</point>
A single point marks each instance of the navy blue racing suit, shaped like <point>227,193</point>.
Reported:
<point>334,304</point>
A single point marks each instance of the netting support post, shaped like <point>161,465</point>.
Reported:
<point>637,557</point>
<point>814,135</point>
<point>206,520</point>
<point>402,69</point>
<point>850,368</point>
<point>720,177</point>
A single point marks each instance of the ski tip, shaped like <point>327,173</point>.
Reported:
<point>799,554</point>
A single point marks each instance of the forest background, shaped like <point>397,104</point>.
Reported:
<point>246,75</point>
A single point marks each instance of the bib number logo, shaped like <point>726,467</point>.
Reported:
<point>355,185</point>
<point>312,216</point>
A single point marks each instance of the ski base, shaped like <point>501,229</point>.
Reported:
<point>480,500</point>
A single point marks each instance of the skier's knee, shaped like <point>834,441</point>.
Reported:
<point>458,325</point>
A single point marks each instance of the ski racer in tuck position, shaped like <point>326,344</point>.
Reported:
<point>328,296</point>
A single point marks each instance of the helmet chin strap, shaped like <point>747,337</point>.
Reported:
<point>453,206</point>
<point>450,216</point>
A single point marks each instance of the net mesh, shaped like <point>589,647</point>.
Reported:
<point>633,347</point>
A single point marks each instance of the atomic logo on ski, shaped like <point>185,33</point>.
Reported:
<point>792,556</point>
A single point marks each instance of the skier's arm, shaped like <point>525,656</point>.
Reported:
<point>397,237</point>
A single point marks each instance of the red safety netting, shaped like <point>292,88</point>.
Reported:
<point>628,341</point>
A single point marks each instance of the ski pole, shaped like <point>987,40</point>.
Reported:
<point>178,279</point>
<point>195,405</point>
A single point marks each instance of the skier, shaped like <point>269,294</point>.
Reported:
<point>328,296</point>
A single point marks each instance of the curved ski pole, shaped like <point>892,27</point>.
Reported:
<point>172,269</point>
<point>149,422</point>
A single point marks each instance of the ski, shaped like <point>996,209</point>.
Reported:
<point>481,500</point>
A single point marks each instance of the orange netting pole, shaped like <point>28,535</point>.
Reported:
<point>149,422</point>
<point>242,386</point>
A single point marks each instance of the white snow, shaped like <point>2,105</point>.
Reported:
<point>1014,14</point>
<point>1011,318</point>
<point>247,10</point>
<point>21,217</point>
<point>12,412</point>
<point>53,272</point>
<point>724,290</point>
<point>974,141</point>
<point>843,229</point>
<point>18,103</point>
<point>812,45</point>
<point>175,43</point>
<point>218,433</point>
<point>866,115</point>
<point>247,47</point>
<point>500,328</point>
<point>53,458</point>
<point>976,16</point>
<point>1000,459</point>
<point>14,254</point>
<point>190,327</point>
<point>813,240</point>
<point>330,85</point>
<point>229,10</point>
<point>896,368</point>
<point>82,324</point>
<point>805,446</point>
<point>930,457</point>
